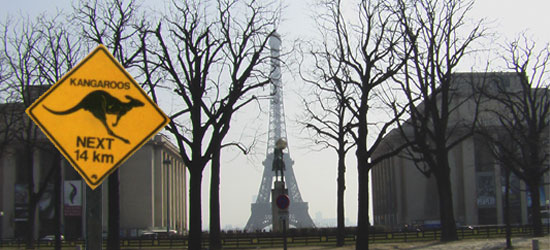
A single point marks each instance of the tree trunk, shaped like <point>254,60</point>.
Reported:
<point>446,211</point>
<point>507,209</point>
<point>535,207</point>
<point>31,209</point>
<point>215,231</point>
<point>341,227</point>
<point>362,242</point>
<point>114,212</point>
<point>195,213</point>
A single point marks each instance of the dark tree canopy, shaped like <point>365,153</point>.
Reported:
<point>518,117</point>
<point>353,66</point>
<point>438,37</point>
<point>214,57</point>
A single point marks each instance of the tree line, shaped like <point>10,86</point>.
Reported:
<point>397,56</point>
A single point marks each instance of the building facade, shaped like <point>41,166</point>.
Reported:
<point>402,195</point>
<point>152,184</point>
<point>153,190</point>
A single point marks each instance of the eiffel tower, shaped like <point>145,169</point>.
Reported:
<point>261,216</point>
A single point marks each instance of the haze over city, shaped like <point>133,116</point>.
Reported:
<point>315,171</point>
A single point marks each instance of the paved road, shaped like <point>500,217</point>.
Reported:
<point>490,244</point>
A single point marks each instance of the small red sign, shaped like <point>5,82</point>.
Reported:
<point>283,201</point>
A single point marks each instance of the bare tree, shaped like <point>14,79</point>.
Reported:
<point>329,125</point>
<point>213,57</point>
<point>520,114</point>
<point>357,59</point>
<point>8,123</point>
<point>8,110</point>
<point>326,117</point>
<point>37,53</point>
<point>118,25</point>
<point>35,56</point>
<point>58,54</point>
<point>60,50</point>
<point>434,33</point>
<point>19,43</point>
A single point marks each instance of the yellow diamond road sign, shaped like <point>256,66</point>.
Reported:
<point>97,116</point>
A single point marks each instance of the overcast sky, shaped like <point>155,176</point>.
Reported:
<point>314,171</point>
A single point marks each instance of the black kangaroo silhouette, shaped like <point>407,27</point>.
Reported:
<point>101,103</point>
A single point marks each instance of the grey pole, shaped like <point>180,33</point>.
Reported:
<point>284,234</point>
<point>94,237</point>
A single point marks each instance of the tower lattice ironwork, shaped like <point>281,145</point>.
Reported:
<point>261,215</point>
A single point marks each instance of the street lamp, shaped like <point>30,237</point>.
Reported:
<point>167,163</point>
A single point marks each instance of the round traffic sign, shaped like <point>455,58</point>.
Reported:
<point>282,201</point>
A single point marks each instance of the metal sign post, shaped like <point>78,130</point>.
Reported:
<point>285,219</point>
<point>283,202</point>
<point>94,237</point>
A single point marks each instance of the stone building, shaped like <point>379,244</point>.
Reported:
<point>153,188</point>
<point>402,195</point>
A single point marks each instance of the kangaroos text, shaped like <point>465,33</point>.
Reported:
<point>106,84</point>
